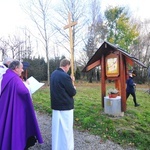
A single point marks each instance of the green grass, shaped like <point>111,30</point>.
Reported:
<point>133,129</point>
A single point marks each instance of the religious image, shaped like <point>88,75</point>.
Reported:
<point>112,65</point>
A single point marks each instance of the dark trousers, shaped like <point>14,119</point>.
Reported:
<point>133,95</point>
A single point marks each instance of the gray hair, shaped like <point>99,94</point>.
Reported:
<point>14,64</point>
<point>7,61</point>
<point>64,62</point>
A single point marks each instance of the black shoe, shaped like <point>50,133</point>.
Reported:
<point>136,105</point>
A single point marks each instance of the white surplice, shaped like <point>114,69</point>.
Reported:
<point>62,130</point>
<point>3,70</point>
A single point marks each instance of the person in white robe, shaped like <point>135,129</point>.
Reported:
<point>62,91</point>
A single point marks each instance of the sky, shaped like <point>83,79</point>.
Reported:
<point>139,8</point>
<point>12,17</point>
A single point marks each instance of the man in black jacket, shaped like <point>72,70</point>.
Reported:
<point>131,89</point>
<point>62,104</point>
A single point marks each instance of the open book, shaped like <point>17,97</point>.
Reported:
<point>34,84</point>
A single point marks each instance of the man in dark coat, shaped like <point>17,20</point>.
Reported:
<point>131,89</point>
<point>18,124</point>
<point>62,104</point>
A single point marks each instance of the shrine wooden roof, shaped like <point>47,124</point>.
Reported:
<point>105,49</point>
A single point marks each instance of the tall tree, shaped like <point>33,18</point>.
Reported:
<point>96,27</point>
<point>120,30</point>
<point>3,48</point>
<point>94,34</point>
<point>77,10</point>
<point>39,12</point>
<point>16,47</point>
<point>141,48</point>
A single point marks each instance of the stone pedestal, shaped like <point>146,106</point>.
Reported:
<point>112,106</point>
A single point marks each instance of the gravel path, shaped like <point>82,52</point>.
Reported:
<point>83,140</point>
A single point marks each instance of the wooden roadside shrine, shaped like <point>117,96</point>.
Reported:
<point>114,63</point>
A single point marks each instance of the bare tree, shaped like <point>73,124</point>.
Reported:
<point>95,33</point>
<point>78,11</point>
<point>144,41</point>
<point>28,49</point>
<point>95,24</point>
<point>3,48</point>
<point>15,47</point>
<point>141,48</point>
<point>39,12</point>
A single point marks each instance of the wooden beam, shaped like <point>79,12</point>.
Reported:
<point>70,24</point>
<point>129,61</point>
<point>93,65</point>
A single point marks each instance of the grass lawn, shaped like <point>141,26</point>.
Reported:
<point>133,129</point>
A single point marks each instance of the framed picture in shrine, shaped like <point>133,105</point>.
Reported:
<point>112,65</point>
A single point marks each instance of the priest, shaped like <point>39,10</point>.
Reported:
<point>18,124</point>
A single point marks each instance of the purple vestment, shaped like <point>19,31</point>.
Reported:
<point>17,117</point>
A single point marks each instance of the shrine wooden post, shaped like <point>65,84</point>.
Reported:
<point>103,82</point>
<point>122,80</point>
<point>70,24</point>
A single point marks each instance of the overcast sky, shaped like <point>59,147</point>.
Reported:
<point>139,8</point>
<point>12,17</point>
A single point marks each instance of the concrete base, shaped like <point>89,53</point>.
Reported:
<point>112,106</point>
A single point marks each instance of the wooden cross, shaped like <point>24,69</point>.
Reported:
<point>71,42</point>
